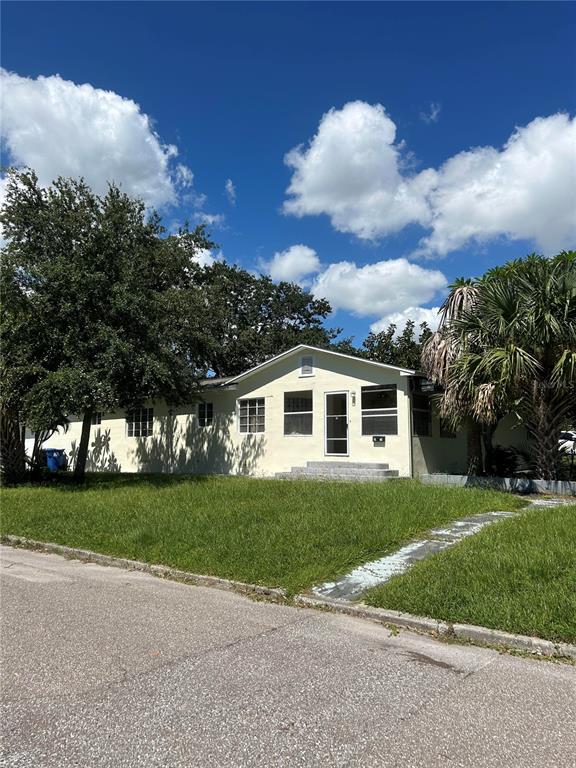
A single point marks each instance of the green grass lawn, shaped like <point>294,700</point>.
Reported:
<point>280,533</point>
<point>517,575</point>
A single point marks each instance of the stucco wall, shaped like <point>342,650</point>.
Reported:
<point>510,432</point>
<point>439,454</point>
<point>178,444</point>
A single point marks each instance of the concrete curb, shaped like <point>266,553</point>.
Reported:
<point>434,627</point>
<point>466,632</point>
<point>162,571</point>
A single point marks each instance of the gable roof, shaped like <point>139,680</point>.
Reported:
<point>308,348</point>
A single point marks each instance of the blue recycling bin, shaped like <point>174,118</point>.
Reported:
<point>55,459</point>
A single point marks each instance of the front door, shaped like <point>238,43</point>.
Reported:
<point>337,424</point>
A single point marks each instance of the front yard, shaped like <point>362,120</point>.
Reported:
<point>292,534</point>
<point>518,575</point>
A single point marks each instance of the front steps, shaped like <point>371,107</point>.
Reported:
<point>340,470</point>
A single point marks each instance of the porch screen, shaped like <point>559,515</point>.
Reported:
<point>380,410</point>
<point>421,415</point>
<point>298,413</point>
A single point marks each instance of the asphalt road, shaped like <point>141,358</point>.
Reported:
<point>104,667</point>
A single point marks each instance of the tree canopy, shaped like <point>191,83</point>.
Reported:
<point>248,319</point>
<point>102,310</point>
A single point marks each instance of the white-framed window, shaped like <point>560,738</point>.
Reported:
<point>307,365</point>
<point>380,410</point>
<point>96,418</point>
<point>205,414</point>
<point>251,415</point>
<point>421,415</point>
<point>298,413</point>
<point>140,422</point>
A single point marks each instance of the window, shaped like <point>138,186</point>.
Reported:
<point>307,365</point>
<point>96,418</point>
<point>380,410</point>
<point>205,414</point>
<point>139,422</point>
<point>251,415</point>
<point>421,415</point>
<point>298,413</point>
<point>445,429</point>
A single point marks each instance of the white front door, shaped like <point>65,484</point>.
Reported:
<point>336,410</point>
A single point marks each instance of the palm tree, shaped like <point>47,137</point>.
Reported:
<point>507,342</point>
<point>440,353</point>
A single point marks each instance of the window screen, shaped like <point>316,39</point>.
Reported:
<point>298,413</point>
<point>380,410</point>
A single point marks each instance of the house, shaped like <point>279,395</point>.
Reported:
<point>304,405</point>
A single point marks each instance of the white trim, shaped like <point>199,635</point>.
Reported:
<point>337,392</point>
<point>301,347</point>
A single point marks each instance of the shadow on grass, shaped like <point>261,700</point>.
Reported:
<point>110,481</point>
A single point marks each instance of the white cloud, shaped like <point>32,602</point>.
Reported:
<point>354,171</point>
<point>419,315</point>
<point>378,289</point>
<point>210,219</point>
<point>230,190</point>
<point>293,264</point>
<point>350,171</point>
<point>184,176</point>
<point>526,191</point>
<point>205,257</point>
<point>60,128</point>
<point>432,114</point>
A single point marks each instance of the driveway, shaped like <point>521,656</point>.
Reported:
<point>104,667</point>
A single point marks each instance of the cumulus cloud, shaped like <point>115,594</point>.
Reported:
<point>351,171</point>
<point>60,128</point>
<point>419,315</point>
<point>525,191</point>
<point>354,171</point>
<point>230,190</point>
<point>378,289</point>
<point>294,264</point>
<point>432,114</point>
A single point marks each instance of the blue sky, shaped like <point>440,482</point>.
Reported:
<point>233,87</point>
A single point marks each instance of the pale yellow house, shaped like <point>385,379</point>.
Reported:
<point>306,405</point>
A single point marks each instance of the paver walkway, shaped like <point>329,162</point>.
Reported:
<point>351,586</point>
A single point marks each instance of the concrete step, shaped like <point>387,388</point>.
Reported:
<point>393,474</point>
<point>347,464</point>
<point>348,471</point>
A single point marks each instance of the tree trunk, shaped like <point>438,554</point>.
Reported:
<point>547,414</point>
<point>12,451</point>
<point>82,455</point>
<point>474,447</point>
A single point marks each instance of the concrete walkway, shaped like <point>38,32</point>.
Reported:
<point>351,586</point>
<point>354,584</point>
<point>107,668</point>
